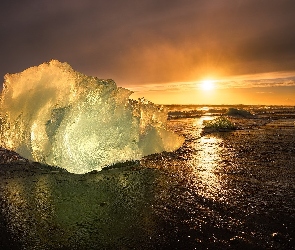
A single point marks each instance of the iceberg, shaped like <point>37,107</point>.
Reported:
<point>55,115</point>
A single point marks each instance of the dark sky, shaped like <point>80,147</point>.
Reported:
<point>137,42</point>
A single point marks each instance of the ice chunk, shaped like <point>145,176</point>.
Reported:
<point>55,115</point>
<point>239,113</point>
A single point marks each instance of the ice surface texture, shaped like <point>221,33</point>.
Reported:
<point>55,115</point>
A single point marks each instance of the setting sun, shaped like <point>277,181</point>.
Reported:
<point>207,85</point>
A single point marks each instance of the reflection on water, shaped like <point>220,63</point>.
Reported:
<point>203,155</point>
<point>43,198</point>
<point>205,162</point>
<point>94,211</point>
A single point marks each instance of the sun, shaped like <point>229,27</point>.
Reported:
<point>207,85</point>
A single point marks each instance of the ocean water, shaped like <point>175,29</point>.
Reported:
<point>220,190</point>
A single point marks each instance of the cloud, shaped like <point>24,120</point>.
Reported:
<point>270,79</point>
<point>274,79</point>
<point>142,42</point>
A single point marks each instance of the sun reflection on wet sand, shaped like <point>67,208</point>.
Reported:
<point>205,162</point>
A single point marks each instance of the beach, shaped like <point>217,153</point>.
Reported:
<point>220,190</point>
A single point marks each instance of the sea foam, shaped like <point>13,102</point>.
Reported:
<point>55,115</point>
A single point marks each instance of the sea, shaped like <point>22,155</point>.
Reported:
<point>223,189</point>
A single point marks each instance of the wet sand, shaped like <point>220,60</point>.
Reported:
<point>229,190</point>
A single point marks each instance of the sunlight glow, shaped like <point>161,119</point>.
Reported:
<point>207,85</point>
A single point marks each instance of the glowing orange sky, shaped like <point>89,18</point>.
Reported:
<point>270,89</point>
<point>159,49</point>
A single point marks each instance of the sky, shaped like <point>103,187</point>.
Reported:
<point>161,50</point>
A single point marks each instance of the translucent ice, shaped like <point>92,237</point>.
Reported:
<point>55,115</point>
